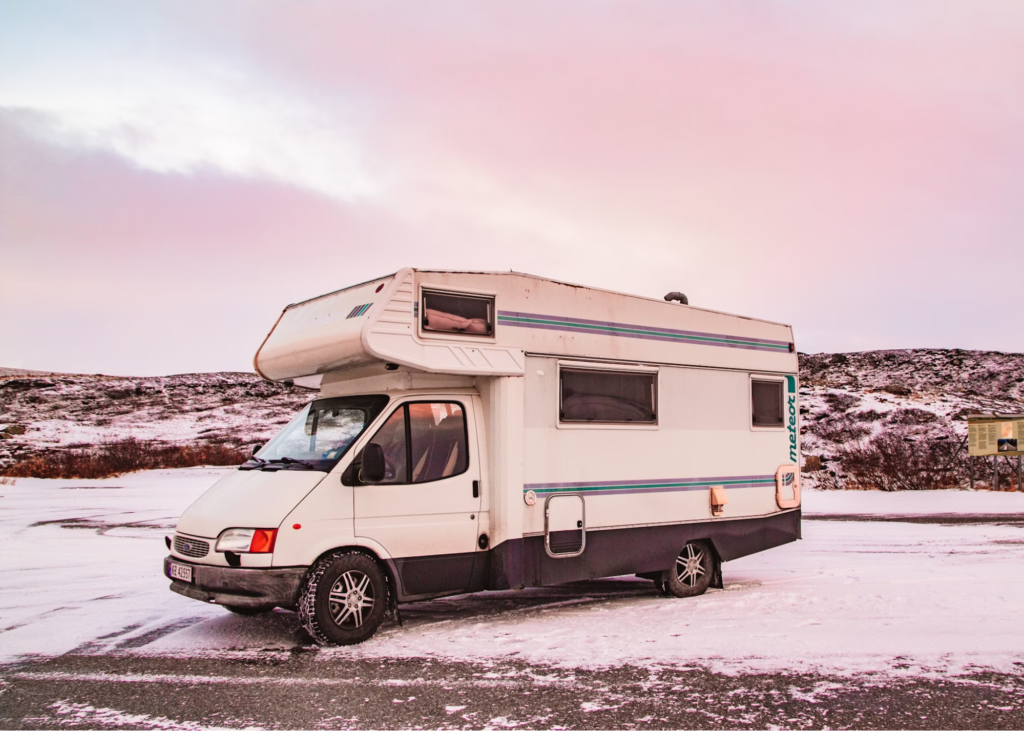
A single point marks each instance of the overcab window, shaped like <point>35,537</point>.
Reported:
<point>608,397</point>
<point>766,403</point>
<point>447,312</point>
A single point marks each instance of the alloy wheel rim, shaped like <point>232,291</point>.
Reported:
<point>351,599</point>
<point>690,565</point>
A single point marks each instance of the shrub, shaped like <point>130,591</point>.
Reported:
<point>912,416</point>
<point>839,431</point>
<point>897,389</point>
<point>897,460</point>
<point>841,401</point>
<point>812,463</point>
<point>124,455</point>
<point>866,415</point>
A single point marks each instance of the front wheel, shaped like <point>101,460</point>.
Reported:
<point>344,599</point>
<point>691,575</point>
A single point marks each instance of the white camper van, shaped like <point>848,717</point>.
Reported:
<point>482,431</point>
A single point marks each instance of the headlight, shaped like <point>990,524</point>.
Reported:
<point>247,540</point>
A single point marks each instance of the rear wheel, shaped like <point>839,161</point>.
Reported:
<point>344,599</point>
<point>691,575</point>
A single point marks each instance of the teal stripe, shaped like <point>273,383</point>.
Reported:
<point>640,331</point>
<point>654,486</point>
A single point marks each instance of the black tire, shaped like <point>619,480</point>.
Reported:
<point>344,599</point>
<point>692,573</point>
<point>246,611</point>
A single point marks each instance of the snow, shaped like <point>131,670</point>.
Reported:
<point>83,560</point>
<point>915,502</point>
<point>87,716</point>
<point>855,596</point>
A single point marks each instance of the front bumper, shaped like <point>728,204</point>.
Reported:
<point>237,587</point>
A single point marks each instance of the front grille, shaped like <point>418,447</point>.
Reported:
<point>192,547</point>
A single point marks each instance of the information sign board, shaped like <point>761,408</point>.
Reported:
<point>987,436</point>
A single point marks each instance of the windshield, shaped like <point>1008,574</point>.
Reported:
<point>319,435</point>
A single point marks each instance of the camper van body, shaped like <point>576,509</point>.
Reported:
<point>546,478</point>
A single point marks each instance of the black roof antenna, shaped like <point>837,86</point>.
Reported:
<point>677,297</point>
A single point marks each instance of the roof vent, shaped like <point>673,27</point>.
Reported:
<point>677,297</point>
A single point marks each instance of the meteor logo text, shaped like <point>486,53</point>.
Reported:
<point>791,426</point>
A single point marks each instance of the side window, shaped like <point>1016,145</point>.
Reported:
<point>766,403</point>
<point>423,442</point>
<point>438,433</point>
<point>391,438</point>
<point>465,314</point>
<point>608,397</point>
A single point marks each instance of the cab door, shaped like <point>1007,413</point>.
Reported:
<point>425,510</point>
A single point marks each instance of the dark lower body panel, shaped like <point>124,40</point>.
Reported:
<point>613,552</point>
<point>511,565</point>
<point>237,587</point>
<point>621,551</point>
<point>425,577</point>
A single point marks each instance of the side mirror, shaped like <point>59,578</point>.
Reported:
<point>373,463</point>
<point>256,448</point>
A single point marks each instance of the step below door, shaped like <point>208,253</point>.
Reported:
<point>565,526</point>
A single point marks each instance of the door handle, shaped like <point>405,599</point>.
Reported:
<point>476,488</point>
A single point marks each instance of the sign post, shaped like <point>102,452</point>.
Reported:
<point>995,435</point>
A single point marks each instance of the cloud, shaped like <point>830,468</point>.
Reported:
<point>193,113</point>
<point>853,170</point>
<point>109,266</point>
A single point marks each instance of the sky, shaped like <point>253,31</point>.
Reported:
<point>172,174</point>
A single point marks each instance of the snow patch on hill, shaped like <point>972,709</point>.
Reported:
<point>922,396</point>
<point>44,412</point>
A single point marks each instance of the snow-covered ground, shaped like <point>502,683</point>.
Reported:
<point>82,559</point>
<point>82,572</point>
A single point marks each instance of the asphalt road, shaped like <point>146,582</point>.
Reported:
<point>306,689</point>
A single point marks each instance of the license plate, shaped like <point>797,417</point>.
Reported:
<point>182,573</point>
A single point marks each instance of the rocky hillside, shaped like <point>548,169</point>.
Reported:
<point>867,414</point>
<point>890,419</point>
<point>42,412</point>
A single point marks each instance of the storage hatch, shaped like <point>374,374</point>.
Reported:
<point>565,526</point>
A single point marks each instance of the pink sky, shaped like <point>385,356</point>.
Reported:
<point>173,174</point>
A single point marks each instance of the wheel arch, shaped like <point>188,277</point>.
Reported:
<point>716,558</point>
<point>386,566</point>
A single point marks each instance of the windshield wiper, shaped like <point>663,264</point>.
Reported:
<point>289,460</point>
<point>247,466</point>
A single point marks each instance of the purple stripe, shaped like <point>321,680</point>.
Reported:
<point>603,323</point>
<point>681,488</point>
<point>637,336</point>
<point>539,485</point>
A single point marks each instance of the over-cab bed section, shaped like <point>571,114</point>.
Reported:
<point>483,324</point>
